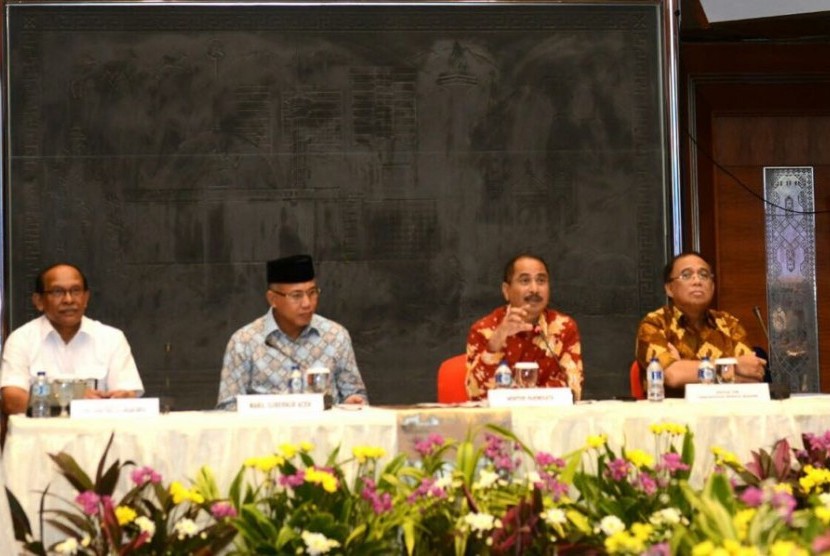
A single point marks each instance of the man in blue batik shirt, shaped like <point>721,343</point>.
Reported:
<point>261,355</point>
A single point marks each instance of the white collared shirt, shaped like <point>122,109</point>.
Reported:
<point>97,351</point>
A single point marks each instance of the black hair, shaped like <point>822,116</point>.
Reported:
<point>40,283</point>
<point>509,268</point>
<point>667,271</point>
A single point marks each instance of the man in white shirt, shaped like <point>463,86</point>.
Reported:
<point>66,344</point>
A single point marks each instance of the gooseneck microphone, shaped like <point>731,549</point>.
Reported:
<point>777,391</point>
<point>538,330</point>
<point>757,311</point>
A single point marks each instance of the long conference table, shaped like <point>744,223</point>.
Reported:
<point>178,444</point>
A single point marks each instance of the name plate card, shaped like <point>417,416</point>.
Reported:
<point>257,404</point>
<point>719,392</point>
<point>114,408</point>
<point>530,397</point>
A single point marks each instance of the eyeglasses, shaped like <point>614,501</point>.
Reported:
<point>59,293</point>
<point>297,296</point>
<point>688,274</point>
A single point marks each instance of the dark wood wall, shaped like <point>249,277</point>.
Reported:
<point>744,107</point>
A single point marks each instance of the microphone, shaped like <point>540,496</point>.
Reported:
<point>757,311</point>
<point>538,330</point>
<point>777,391</point>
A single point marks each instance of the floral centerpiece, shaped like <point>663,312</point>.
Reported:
<point>488,494</point>
<point>149,519</point>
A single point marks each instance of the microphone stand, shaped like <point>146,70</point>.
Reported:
<point>777,391</point>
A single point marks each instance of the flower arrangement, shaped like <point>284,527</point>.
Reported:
<point>149,519</point>
<point>635,499</point>
<point>777,503</point>
<point>290,504</point>
<point>488,494</point>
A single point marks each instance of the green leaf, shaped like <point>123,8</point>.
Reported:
<point>69,468</point>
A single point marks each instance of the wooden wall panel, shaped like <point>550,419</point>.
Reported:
<point>750,106</point>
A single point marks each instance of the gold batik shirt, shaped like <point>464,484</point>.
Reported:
<point>722,335</point>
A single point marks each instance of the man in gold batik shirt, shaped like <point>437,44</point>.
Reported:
<point>687,329</point>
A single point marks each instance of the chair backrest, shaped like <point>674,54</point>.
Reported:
<point>636,382</point>
<point>452,380</point>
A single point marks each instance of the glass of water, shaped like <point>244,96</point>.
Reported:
<point>66,393</point>
<point>527,374</point>
<point>725,370</point>
<point>318,381</point>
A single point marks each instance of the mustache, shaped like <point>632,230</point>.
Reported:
<point>534,297</point>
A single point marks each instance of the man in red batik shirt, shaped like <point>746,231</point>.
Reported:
<point>525,330</point>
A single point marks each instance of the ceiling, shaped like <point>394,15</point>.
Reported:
<point>755,20</point>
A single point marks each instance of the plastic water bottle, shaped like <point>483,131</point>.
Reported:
<point>295,382</point>
<point>503,376</point>
<point>706,371</point>
<point>41,405</point>
<point>654,374</point>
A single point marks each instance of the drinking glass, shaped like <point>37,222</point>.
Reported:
<point>725,370</point>
<point>318,381</point>
<point>66,392</point>
<point>527,374</point>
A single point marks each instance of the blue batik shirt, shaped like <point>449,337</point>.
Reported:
<point>259,359</point>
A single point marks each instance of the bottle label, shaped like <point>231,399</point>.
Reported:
<point>41,390</point>
<point>504,377</point>
<point>655,375</point>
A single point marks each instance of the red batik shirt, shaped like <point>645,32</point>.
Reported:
<point>560,360</point>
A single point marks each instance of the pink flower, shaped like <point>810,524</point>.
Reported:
<point>553,485</point>
<point>427,446</point>
<point>673,463</point>
<point>145,474</point>
<point>88,500</point>
<point>821,544</point>
<point>222,509</point>
<point>381,502</point>
<point>294,480</point>
<point>647,483</point>
<point>752,497</point>
<point>618,469</point>
<point>546,460</point>
<point>427,487</point>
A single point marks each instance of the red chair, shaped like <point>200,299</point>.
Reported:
<point>636,382</point>
<point>452,380</point>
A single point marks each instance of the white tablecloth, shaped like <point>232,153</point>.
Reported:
<point>737,426</point>
<point>7,544</point>
<point>178,444</point>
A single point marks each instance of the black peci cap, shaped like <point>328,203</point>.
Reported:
<point>291,270</point>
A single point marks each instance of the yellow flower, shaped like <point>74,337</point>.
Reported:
<point>741,520</point>
<point>639,458</point>
<point>265,463</point>
<point>703,549</point>
<point>362,453</point>
<point>783,487</point>
<point>306,446</point>
<point>814,478</point>
<point>181,494</point>
<point>322,478</point>
<point>289,450</point>
<point>642,531</point>
<point>597,440</point>
<point>786,548</point>
<point>125,515</point>
<point>675,429</point>
<point>623,542</point>
<point>723,457</point>
<point>823,513</point>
